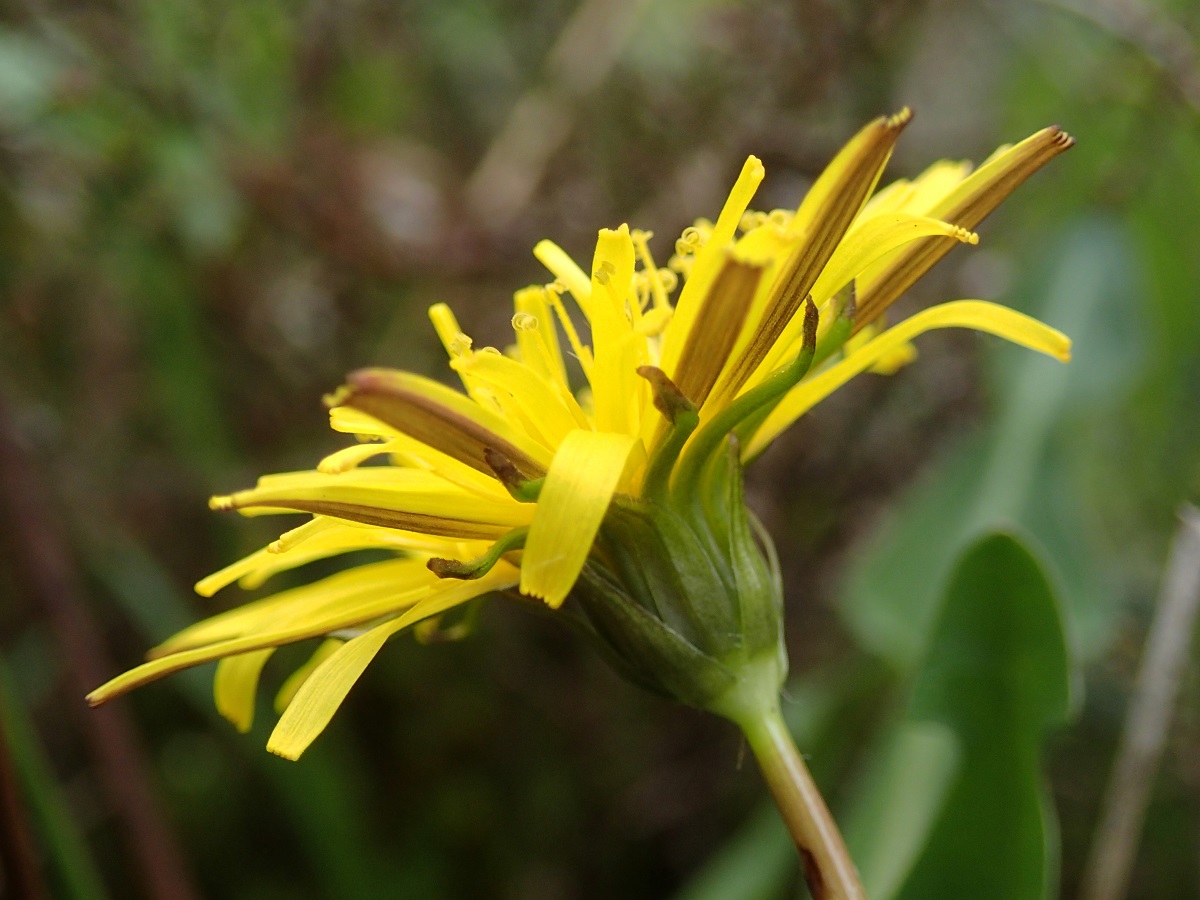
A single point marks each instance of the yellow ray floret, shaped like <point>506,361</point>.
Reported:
<point>385,496</point>
<point>324,690</point>
<point>235,685</point>
<point>579,486</point>
<point>287,691</point>
<point>977,314</point>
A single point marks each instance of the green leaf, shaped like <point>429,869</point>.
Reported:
<point>998,676</point>
<point>756,865</point>
<point>898,801</point>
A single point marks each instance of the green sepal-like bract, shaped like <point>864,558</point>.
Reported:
<point>684,599</point>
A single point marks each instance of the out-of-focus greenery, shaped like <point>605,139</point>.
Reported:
<point>211,211</point>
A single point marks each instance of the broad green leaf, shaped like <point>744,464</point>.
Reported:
<point>998,675</point>
<point>898,801</point>
<point>757,864</point>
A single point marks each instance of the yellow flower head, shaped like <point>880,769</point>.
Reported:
<point>624,494</point>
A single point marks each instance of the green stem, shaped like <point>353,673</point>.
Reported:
<point>828,869</point>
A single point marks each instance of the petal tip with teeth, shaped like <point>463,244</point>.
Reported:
<point>899,119</point>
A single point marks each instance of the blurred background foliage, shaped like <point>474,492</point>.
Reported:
<point>211,210</point>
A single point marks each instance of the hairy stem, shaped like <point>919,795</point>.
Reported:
<point>828,869</point>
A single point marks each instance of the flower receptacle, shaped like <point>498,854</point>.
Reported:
<point>684,596</point>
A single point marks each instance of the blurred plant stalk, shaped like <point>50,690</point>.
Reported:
<point>828,868</point>
<point>1165,658</point>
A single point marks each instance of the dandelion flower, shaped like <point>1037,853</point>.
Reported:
<point>617,499</point>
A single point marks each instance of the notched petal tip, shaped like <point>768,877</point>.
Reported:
<point>543,596</point>
<point>222,503</point>
<point>899,119</point>
<point>1061,138</point>
<point>284,752</point>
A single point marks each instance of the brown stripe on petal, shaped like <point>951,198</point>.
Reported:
<point>968,205</point>
<point>839,204</point>
<point>716,329</point>
<point>454,424</point>
<point>387,518</point>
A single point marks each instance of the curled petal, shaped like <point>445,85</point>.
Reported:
<point>978,314</point>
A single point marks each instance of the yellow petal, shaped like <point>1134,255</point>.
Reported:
<point>457,343</point>
<point>822,219</point>
<point>578,488</point>
<point>933,185</point>
<point>969,202</point>
<point>977,314</point>
<point>408,451</point>
<point>916,197</point>
<point>537,338</point>
<point>551,412</point>
<point>345,600</point>
<point>291,684</point>
<point>618,394</point>
<point>236,684</point>
<point>966,204</point>
<point>440,417</point>
<point>319,697</point>
<point>565,269</point>
<point>332,539</point>
<point>864,244</point>
<point>717,327</point>
<point>872,239</point>
<point>352,421</point>
<point>895,360</point>
<point>351,457</point>
<point>324,690</point>
<point>385,496</point>
<point>582,352</point>
<point>612,275</point>
<point>861,160</point>
<point>708,263</point>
